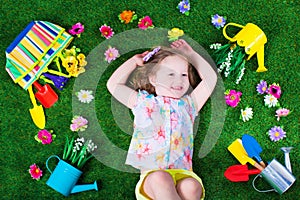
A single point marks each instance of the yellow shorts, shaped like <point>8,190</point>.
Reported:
<point>177,175</point>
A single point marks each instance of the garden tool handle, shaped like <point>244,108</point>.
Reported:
<point>262,163</point>
<point>58,73</point>
<point>37,85</point>
<point>224,30</point>
<point>258,166</point>
<point>254,171</point>
<point>31,95</point>
<point>53,156</point>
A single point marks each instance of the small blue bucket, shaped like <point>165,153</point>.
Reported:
<point>64,177</point>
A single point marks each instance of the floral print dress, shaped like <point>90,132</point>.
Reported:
<point>163,133</point>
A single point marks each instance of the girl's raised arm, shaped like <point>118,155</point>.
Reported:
<point>209,77</point>
<point>116,84</point>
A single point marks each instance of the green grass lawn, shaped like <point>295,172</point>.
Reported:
<point>280,22</point>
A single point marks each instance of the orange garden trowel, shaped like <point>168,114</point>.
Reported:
<point>237,150</point>
<point>37,112</point>
<point>45,94</point>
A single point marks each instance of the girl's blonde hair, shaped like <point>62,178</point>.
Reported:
<point>139,79</point>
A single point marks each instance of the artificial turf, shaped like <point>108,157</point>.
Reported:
<point>278,19</point>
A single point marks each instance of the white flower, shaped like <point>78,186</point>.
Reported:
<point>241,74</point>
<point>270,101</point>
<point>215,46</point>
<point>247,114</point>
<point>85,96</point>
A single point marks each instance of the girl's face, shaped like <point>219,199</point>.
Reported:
<point>171,78</point>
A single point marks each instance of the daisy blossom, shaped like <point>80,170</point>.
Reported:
<point>35,172</point>
<point>85,96</point>
<point>184,7</point>
<point>270,101</point>
<point>111,54</point>
<point>282,112</point>
<point>106,31</point>
<point>276,133</point>
<point>218,21</point>
<point>262,87</point>
<point>247,114</point>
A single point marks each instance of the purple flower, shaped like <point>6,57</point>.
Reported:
<point>275,90</point>
<point>58,81</point>
<point>262,87</point>
<point>184,7</point>
<point>276,133</point>
<point>218,21</point>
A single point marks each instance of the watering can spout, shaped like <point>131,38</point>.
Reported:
<point>86,187</point>
<point>287,162</point>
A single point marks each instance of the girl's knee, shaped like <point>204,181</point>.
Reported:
<point>189,188</point>
<point>158,183</point>
<point>160,177</point>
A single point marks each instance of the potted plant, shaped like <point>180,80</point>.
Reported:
<point>66,173</point>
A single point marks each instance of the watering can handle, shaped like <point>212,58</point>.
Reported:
<point>224,30</point>
<point>53,156</point>
<point>271,190</point>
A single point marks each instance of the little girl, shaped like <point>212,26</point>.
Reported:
<point>164,107</point>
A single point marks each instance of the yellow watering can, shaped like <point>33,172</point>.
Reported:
<point>253,39</point>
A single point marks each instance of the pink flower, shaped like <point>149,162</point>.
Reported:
<point>187,159</point>
<point>174,120</point>
<point>275,90</point>
<point>232,98</point>
<point>78,123</point>
<point>111,54</point>
<point>106,31</point>
<point>282,112</point>
<point>35,172</point>
<point>44,136</point>
<point>76,29</point>
<point>145,23</point>
<point>160,136</point>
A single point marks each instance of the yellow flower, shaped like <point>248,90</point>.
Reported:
<point>70,63</point>
<point>76,71</point>
<point>174,34</point>
<point>70,52</point>
<point>176,141</point>
<point>81,59</point>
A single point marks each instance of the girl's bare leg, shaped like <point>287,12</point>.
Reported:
<point>160,185</point>
<point>189,189</point>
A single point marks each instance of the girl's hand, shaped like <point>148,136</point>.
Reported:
<point>138,58</point>
<point>182,46</point>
